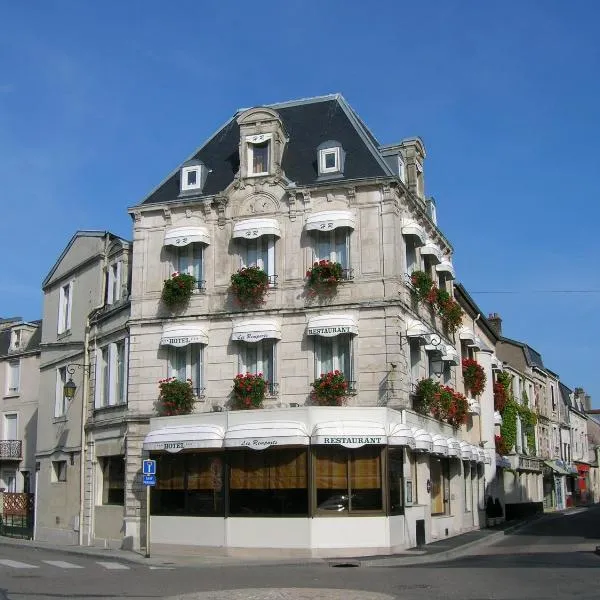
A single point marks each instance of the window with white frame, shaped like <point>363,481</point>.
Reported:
<point>330,158</point>
<point>111,374</point>
<point>61,402</point>
<point>333,245</point>
<point>334,354</point>
<point>257,358</point>
<point>410,248</point>
<point>187,362</point>
<point>114,283</point>
<point>11,430</point>
<point>259,252</point>
<point>15,339</point>
<point>258,154</point>
<point>415,359</point>
<point>65,303</point>
<point>192,177</point>
<point>190,259</point>
<point>13,376</point>
<point>401,169</point>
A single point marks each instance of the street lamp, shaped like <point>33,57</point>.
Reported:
<point>70,386</point>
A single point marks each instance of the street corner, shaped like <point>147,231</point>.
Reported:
<point>284,594</point>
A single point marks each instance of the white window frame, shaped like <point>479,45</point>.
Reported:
<point>195,257</point>
<point>185,186</point>
<point>109,389</point>
<point>333,254</point>
<point>264,355</point>
<point>65,307</point>
<point>335,342</point>
<point>60,400</point>
<point>415,367</point>
<point>251,142</point>
<point>9,476</point>
<point>189,367</point>
<point>257,245</point>
<point>6,434</point>
<point>323,153</point>
<point>114,282</point>
<point>13,382</point>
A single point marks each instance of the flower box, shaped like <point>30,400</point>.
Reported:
<point>324,277</point>
<point>249,286</point>
<point>249,390</point>
<point>176,397</point>
<point>178,289</point>
<point>330,389</point>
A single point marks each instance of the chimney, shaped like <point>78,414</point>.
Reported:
<point>587,402</point>
<point>496,322</point>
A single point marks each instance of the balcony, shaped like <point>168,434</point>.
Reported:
<point>11,449</point>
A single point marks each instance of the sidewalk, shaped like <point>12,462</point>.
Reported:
<point>194,556</point>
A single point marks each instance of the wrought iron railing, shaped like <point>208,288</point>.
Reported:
<point>272,280</point>
<point>352,389</point>
<point>201,285</point>
<point>272,389</point>
<point>199,392</point>
<point>11,449</point>
<point>347,274</point>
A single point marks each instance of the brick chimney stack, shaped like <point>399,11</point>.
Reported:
<point>496,322</point>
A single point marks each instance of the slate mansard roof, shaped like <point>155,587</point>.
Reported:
<point>307,123</point>
<point>32,345</point>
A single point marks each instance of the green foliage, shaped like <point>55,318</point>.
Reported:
<point>177,290</point>
<point>508,429</point>
<point>248,391</point>
<point>425,395</point>
<point>330,389</point>
<point>249,286</point>
<point>323,278</point>
<point>441,401</point>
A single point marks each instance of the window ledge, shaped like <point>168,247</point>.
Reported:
<point>109,408</point>
<point>11,395</point>
<point>62,419</point>
<point>63,334</point>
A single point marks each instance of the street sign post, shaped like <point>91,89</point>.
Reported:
<point>148,479</point>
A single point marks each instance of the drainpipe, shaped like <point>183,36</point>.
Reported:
<point>85,394</point>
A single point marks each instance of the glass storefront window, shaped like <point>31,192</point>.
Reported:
<point>268,482</point>
<point>348,480</point>
<point>396,480</point>
<point>440,488</point>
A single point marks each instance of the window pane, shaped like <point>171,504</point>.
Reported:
<point>365,479</point>
<point>197,259</point>
<point>179,363</point>
<point>341,246</point>
<point>330,160</point>
<point>268,482</point>
<point>105,376</point>
<point>323,246</point>
<point>331,478</point>
<point>191,177</point>
<point>260,157</point>
<point>324,355</point>
<point>121,374</point>
<point>184,263</point>
<point>168,496</point>
<point>266,366</point>
<point>113,480</point>
<point>197,379</point>
<point>411,254</point>
<point>344,362</point>
<point>396,480</point>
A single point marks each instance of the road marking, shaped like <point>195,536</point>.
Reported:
<point>161,568</point>
<point>15,564</point>
<point>112,565</point>
<point>574,512</point>
<point>61,564</point>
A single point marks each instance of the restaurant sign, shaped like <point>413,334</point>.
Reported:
<point>250,336</point>
<point>352,441</point>
<point>329,331</point>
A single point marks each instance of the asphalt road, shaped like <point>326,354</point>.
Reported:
<point>550,560</point>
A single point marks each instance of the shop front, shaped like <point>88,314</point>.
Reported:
<point>318,478</point>
<point>582,487</point>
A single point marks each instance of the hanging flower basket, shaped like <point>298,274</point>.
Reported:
<point>425,395</point>
<point>500,397</point>
<point>249,286</point>
<point>177,290</point>
<point>447,308</point>
<point>441,401</point>
<point>474,376</point>
<point>422,284</point>
<point>330,389</point>
<point>176,397</point>
<point>324,277</point>
<point>248,391</point>
<point>501,446</point>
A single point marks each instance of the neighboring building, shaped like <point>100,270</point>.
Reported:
<point>19,382</point>
<point>74,290</point>
<point>281,187</point>
<point>579,444</point>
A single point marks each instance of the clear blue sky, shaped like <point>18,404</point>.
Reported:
<point>99,101</point>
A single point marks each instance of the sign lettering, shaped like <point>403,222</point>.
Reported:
<point>258,444</point>
<point>182,341</point>
<point>181,241</point>
<point>354,442</point>
<point>328,331</point>
<point>250,336</point>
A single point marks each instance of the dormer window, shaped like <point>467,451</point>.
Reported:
<point>259,154</point>
<point>330,158</point>
<point>16,339</point>
<point>193,176</point>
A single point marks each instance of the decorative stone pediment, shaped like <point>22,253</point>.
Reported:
<point>259,204</point>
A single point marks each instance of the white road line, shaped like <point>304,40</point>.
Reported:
<point>61,564</point>
<point>161,568</point>
<point>15,564</point>
<point>577,511</point>
<point>112,565</point>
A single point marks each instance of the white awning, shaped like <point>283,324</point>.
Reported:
<point>265,434</point>
<point>183,334</point>
<point>453,447</point>
<point>331,325</point>
<point>449,354</point>
<point>400,434</point>
<point>430,249</point>
<point>330,219</point>
<point>415,328</point>
<point>256,330</point>
<point>251,229</point>
<point>496,363</point>
<point>488,458</point>
<point>182,236</point>
<point>183,437</point>
<point>474,406</point>
<point>478,344</point>
<point>466,450</point>
<point>440,445</point>
<point>466,333</point>
<point>481,455</point>
<point>413,228</point>
<point>423,440</point>
<point>350,434</point>
<point>446,267</point>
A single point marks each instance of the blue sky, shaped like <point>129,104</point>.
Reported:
<point>99,101</point>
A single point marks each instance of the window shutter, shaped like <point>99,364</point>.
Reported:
<point>125,382</point>
<point>69,305</point>
<point>118,287</point>
<point>98,379</point>
<point>61,310</point>
<point>59,392</point>
<point>111,395</point>
<point>110,286</point>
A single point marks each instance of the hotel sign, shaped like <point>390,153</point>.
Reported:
<point>329,331</point>
<point>183,340</point>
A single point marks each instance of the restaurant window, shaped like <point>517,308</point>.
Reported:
<point>334,354</point>
<point>190,259</point>
<point>113,480</point>
<point>348,480</point>
<point>333,245</point>
<point>440,485</point>
<point>259,357</point>
<point>259,252</point>
<point>187,362</point>
<point>272,482</point>
<point>396,480</point>
<point>468,486</point>
<point>188,484</point>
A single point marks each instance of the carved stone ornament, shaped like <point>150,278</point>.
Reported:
<point>188,213</point>
<point>167,214</point>
<point>292,204</point>
<point>137,216</point>
<point>351,194</point>
<point>307,199</point>
<point>221,205</point>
